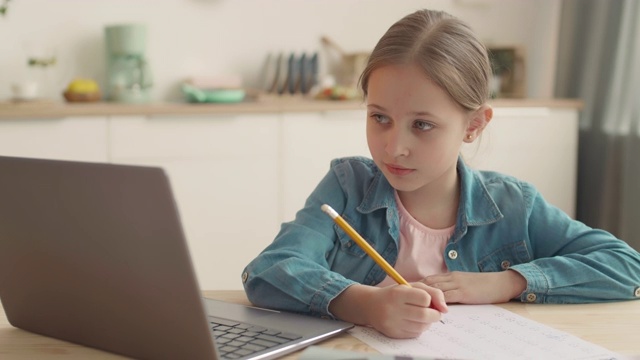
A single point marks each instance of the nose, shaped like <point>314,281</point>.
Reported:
<point>397,143</point>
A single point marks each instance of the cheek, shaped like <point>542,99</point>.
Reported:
<point>438,150</point>
<point>450,150</point>
<point>374,146</point>
<point>373,140</point>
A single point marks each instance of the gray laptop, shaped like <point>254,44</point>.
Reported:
<point>95,254</point>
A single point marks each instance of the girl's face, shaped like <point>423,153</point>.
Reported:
<point>414,129</point>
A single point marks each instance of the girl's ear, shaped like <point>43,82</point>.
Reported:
<point>479,120</point>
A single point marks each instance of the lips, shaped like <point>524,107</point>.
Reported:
<point>398,170</point>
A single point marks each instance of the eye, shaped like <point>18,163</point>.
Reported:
<point>422,125</point>
<point>379,118</point>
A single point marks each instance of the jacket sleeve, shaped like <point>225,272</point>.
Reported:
<point>293,273</point>
<point>574,263</point>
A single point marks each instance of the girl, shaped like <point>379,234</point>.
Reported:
<point>458,235</point>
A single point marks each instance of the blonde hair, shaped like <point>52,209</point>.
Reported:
<point>444,47</point>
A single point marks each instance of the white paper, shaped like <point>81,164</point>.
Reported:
<point>486,332</point>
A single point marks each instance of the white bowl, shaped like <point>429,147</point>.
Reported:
<point>25,90</point>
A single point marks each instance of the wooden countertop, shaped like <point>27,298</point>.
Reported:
<point>54,109</point>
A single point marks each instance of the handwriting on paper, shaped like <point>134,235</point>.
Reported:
<point>486,332</point>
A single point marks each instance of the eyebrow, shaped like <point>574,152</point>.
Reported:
<point>415,113</point>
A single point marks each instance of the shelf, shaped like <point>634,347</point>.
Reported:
<point>53,109</point>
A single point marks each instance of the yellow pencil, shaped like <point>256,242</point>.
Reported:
<point>364,245</point>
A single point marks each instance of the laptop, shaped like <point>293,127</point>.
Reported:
<point>95,254</point>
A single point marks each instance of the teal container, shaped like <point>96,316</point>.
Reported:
<point>126,39</point>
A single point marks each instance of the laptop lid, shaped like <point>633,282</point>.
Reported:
<point>95,254</point>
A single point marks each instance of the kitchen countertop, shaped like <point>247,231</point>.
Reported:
<point>59,109</point>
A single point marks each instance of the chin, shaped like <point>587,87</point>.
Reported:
<point>400,184</point>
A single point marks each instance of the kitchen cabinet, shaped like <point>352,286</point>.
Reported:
<point>224,174</point>
<point>70,138</point>
<point>237,175</point>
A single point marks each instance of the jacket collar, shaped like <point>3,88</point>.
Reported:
<point>476,206</point>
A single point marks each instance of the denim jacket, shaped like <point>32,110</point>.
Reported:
<point>502,223</point>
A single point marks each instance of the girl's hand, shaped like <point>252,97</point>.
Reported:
<point>402,312</point>
<point>478,288</point>
<point>397,311</point>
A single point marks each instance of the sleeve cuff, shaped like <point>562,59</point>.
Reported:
<point>537,283</point>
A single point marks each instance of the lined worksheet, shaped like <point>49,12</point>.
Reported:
<point>486,332</point>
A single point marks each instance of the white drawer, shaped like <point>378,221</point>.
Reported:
<point>232,136</point>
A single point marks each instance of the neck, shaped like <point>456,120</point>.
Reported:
<point>435,205</point>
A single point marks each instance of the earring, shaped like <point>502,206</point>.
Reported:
<point>469,137</point>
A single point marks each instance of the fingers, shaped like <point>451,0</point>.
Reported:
<point>406,331</point>
<point>404,311</point>
<point>436,300</point>
<point>444,286</point>
<point>438,281</point>
<point>475,288</point>
<point>453,296</point>
<point>411,328</point>
<point>447,284</point>
<point>413,321</point>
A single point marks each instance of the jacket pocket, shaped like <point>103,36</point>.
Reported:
<point>505,257</point>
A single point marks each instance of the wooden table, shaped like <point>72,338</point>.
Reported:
<point>614,326</point>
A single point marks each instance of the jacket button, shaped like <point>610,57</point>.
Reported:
<point>505,264</point>
<point>453,254</point>
<point>245,276</point>
<point>531,297</point>
<point>637,292</point>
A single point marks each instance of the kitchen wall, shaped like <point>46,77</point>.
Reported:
<point>208,37</point>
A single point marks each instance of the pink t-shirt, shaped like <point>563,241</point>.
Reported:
<point>421,249</point>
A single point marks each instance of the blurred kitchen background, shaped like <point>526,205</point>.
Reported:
<point>209,38</point>
<point>571,77</point>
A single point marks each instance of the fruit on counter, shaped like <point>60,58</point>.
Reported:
<point>83,86</point>
<point>338,92</point>
<point>82,90</point>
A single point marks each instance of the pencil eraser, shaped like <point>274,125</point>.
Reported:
<point>329,211</point>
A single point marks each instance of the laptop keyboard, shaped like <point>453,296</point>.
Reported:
<point>236,340</point>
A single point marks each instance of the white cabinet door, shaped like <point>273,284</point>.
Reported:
<point>538,145</point>
<point>224,174</point>
<point>74,138</point>
<point>309,142</point>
